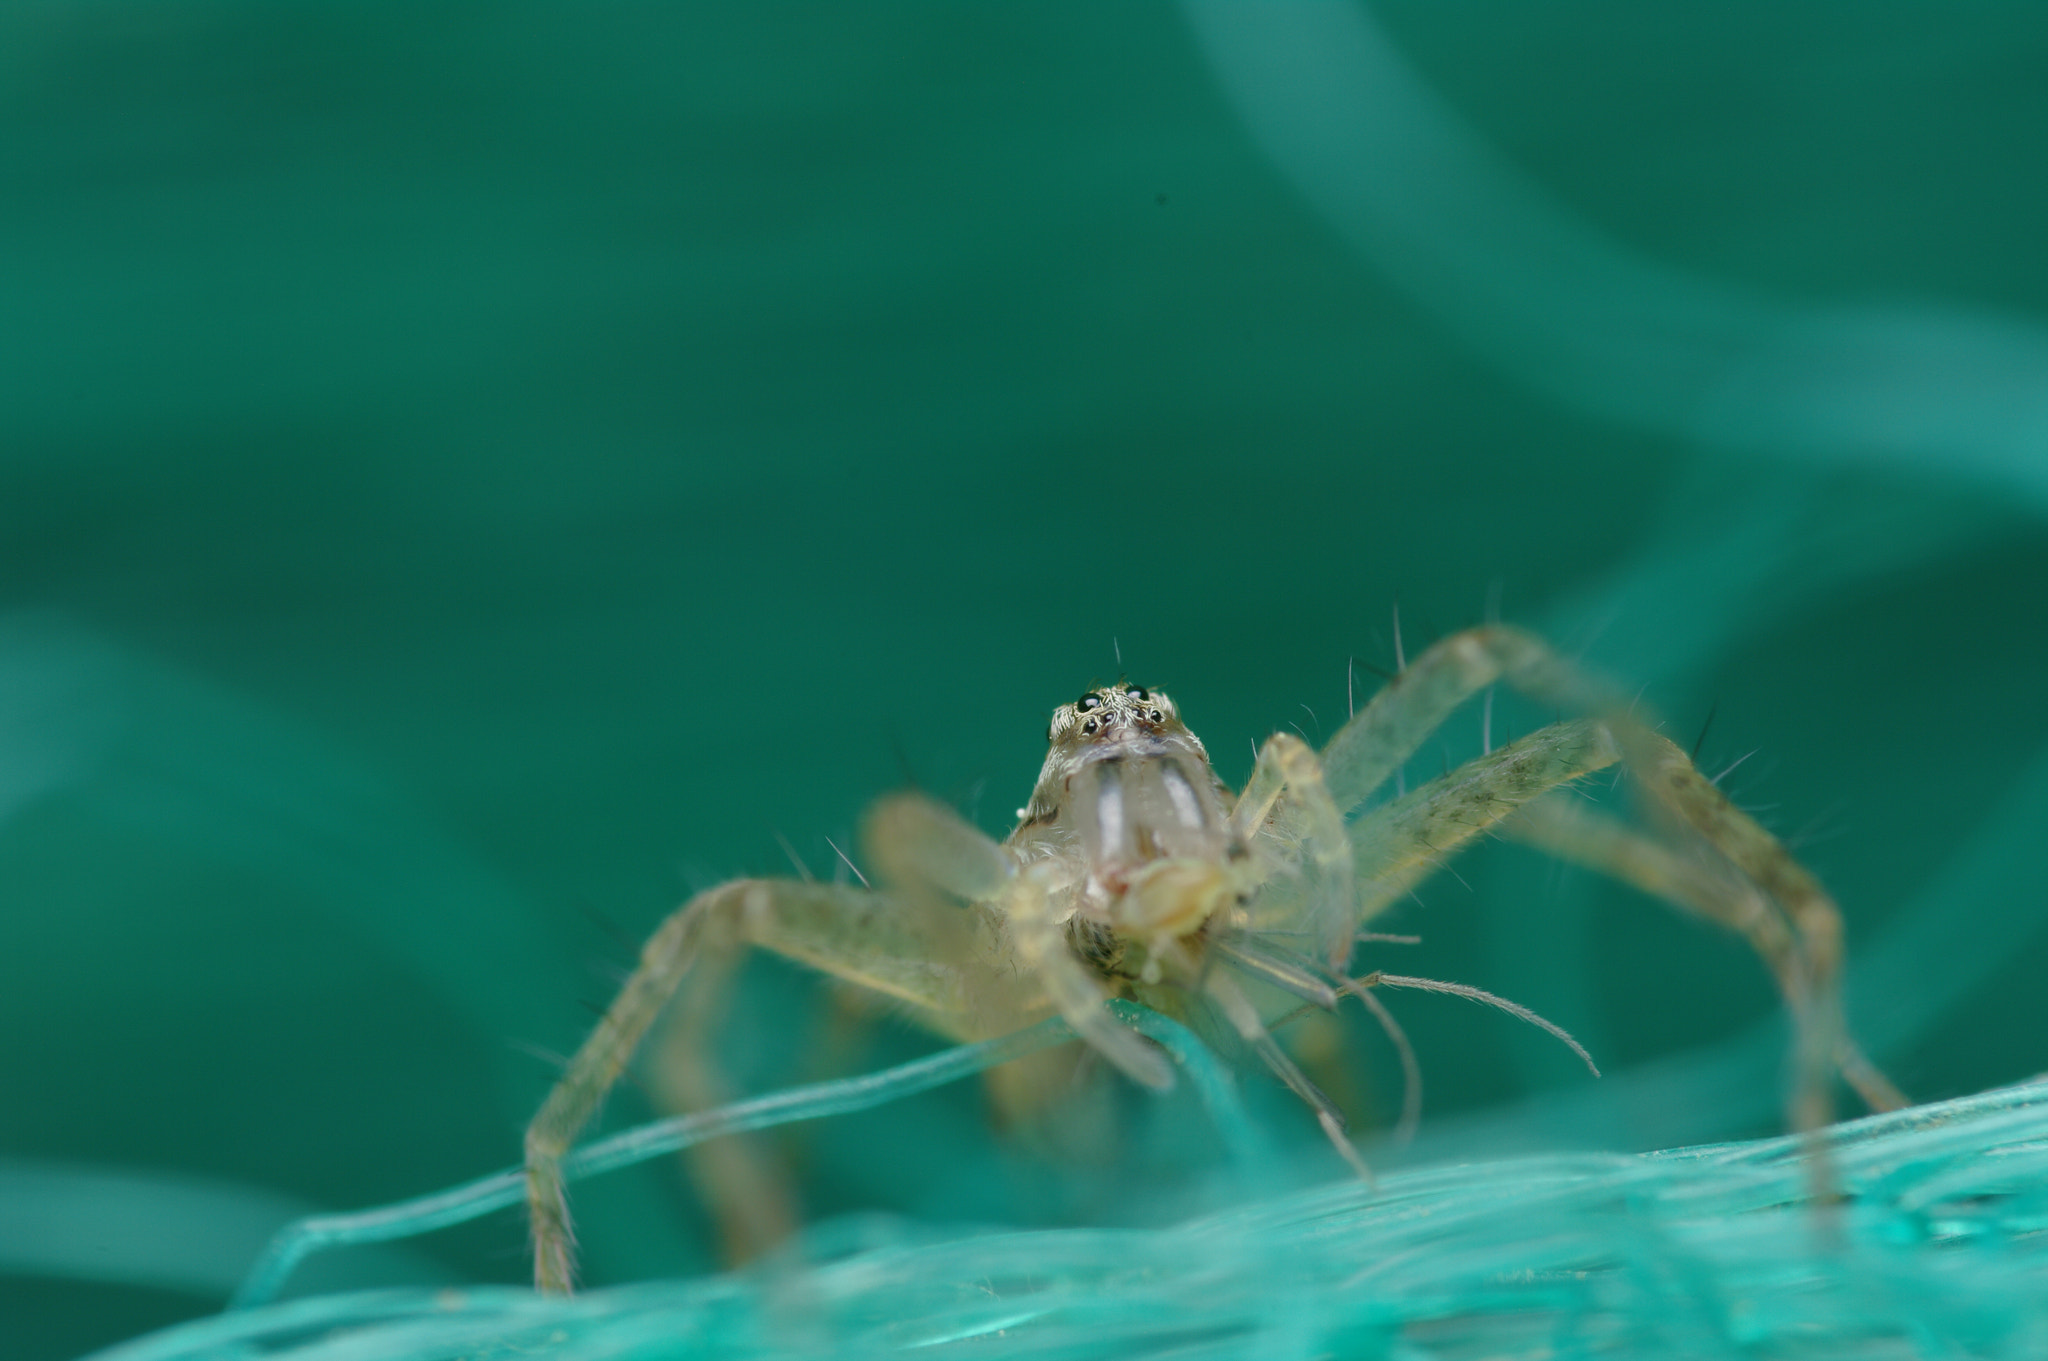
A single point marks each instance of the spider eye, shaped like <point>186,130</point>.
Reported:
<point>1155,715</point>
<point>1139,693</point>
<point>1091,700</point>
<point>1089,726</point>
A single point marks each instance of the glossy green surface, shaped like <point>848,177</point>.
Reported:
<point>471,474</point>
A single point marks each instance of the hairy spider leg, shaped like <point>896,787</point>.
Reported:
<point>1286,819</point>
<point>1369,749</point>
<point>1399,844</point>
<point>1390,850</point>
<point>1387,731</point>
<point>1287,803</point>
<point>1312,894</point>
<point>749,1195</point>
<point>1701,884</point>
<point>866,938</point>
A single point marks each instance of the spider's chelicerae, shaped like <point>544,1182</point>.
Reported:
<point>1134,872</point>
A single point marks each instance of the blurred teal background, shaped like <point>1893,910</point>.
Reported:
<point>471,474</point>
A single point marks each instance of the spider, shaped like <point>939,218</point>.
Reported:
<point>1135,872</point>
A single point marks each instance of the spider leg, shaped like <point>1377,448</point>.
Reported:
<point>1381,736</point>
<point>1040,936</point>
<point>1315,1039</point>
<point>1695,802</point>
<point>1288,813</point>
<point>863,937</point>
<point>1702,885</point>
<point>749,1195</point>
<point>1371,747</point>
<point>1244,1019</point>
<point>1399,844</point>
<point>1286,809</point>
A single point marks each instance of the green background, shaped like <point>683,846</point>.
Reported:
<point>471,474</point>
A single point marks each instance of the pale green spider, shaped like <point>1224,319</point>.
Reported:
<point>1134,872</point>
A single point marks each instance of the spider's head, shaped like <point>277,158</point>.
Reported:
<point>1110,727</point>
<point>1115,715</point>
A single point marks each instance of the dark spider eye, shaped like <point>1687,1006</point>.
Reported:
<point>1089,726</point>
<point>1139,693</point>
<point>1155,715</point>
<point>1091,700</point>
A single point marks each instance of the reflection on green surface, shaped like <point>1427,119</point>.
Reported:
<point>470,475</point>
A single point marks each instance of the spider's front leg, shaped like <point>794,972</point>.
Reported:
<point>1401,843</point>
<point>1287,802</point>
<point>1379,738</point>
<point>1804,954</point>
<point>863,937</point>
<point>1297,919</point>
